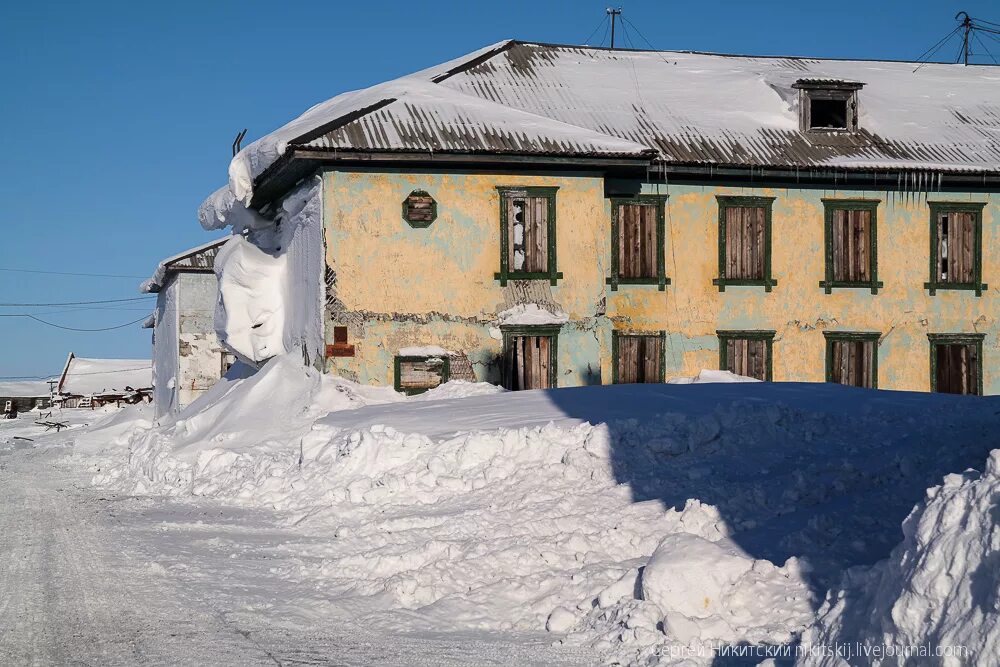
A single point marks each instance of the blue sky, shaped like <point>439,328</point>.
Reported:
<point>117,117</point>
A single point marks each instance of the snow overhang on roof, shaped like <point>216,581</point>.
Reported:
<point>199,259</point>
<point>677,108</point>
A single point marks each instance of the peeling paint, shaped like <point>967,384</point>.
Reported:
<point>396,286</point>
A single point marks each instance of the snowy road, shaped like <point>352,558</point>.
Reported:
<point>88,579</point>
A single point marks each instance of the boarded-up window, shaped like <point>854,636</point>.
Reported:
<point>745,243</point>
<point>956,232</point>
<point>529,361</point>
<point>746,353</point>
<point>852,358</point>
<point>852,245</point>
<point>637,241</point>
<point>956,366</point>
<point>418,374</point>
<point>638,358</point>
<point>527,234</point>
<point>419,209</point>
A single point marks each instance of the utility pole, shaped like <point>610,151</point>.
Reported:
<point>613,13</point>
<point>967,28</point>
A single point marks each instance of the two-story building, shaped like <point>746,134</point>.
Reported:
<point>542,215</point>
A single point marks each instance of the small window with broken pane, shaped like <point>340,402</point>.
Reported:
<point>828,105</point>
<point>528,230</point>
<point>956,246</point>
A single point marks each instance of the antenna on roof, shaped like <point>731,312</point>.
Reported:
<point>238,140</point>
<point>613,13</point>
<point>970,29</point>
<point>967,27</point>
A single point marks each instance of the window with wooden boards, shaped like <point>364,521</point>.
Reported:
<point>527,234</point>
<point>747,353</point>
<point>956,363</point>
<point>852,358</point>
<point>530,356</point>
<point>638,357</point>
<point>637,240</point>
<point>415,375</point>
<point>745,242</point>
<point>956,253</point>
<point>851,244</point>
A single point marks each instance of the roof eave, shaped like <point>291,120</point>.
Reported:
<point>298,162</point>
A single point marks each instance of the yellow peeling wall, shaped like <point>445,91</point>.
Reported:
<point>397,286</point>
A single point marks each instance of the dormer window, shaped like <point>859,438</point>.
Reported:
<point>827,105</point>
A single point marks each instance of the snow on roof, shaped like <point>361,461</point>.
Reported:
<point>683,107</point>
<point>199,258</point>
<point>24,389</point>
<point>89,377</point>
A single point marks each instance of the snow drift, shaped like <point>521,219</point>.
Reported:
<point>939,591</point>
<point>642,521</point>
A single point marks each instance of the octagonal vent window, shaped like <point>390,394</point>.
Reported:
<point>419,209</point>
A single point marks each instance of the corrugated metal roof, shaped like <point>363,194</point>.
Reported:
<point>199,258</point>
<point>688,107</point>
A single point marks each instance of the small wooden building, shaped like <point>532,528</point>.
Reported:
<point>187,355</point>
<point>96,382</point>
<point>24,395</point>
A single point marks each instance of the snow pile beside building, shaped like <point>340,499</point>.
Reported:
<point>687,518</point>
<point>940,589</point>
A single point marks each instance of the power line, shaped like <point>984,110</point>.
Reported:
<point>985,48</point>
<point>59,326</point>
<point>76,303</point>
<point>66,273</point>
<point>929,53</point>
<point>603,21</point>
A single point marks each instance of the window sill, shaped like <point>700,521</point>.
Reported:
<point>978,288</point>
<point>615,282</point>
<point>829,286</point>
<point>504,278</point>
<point>723,283</point>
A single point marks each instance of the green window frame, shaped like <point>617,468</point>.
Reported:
<point>830,207</point>
<point>936,339</point>
<point>616,337</point>
<point>726,202</point>
<point>767,335</point>
<point>841,336</point>
<point>934,283</point>
<point>507,273</point>
<point>660,280</point>
<point>410,210</point>
<point>398,361</point>
<point>550,330</point>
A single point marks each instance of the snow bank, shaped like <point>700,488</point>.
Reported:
<point>710,376</point>
<point>642,521</point>
<point>115,429</point>
<point>940,589</point>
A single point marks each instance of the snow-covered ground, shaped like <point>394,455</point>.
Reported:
<point>638,524</point>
